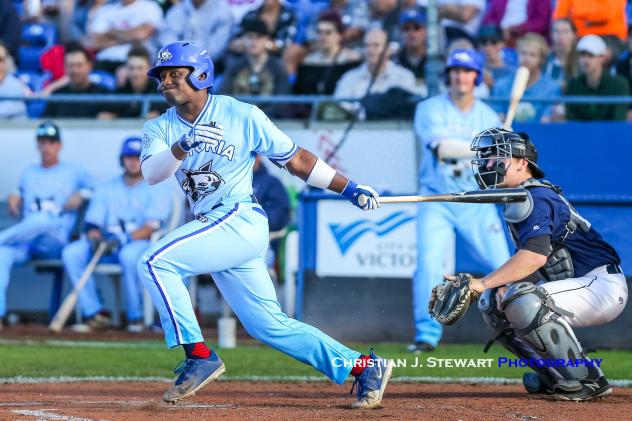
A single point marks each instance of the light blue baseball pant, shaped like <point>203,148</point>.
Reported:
<point>232,246</point>
<point>36,236</point>
<point>76,256</point>
<point>479,227</point>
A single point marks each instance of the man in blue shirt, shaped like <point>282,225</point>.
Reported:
<point>563,274</point>
<point>48,196</point>
<point>123,211</point>
<point>209,143</point>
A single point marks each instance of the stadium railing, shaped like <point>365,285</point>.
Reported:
<point>314,100</point>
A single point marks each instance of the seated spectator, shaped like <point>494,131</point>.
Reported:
<point>354,15</point>
<point>207,22</point>
<point>594,17</point>
<point>47,199</point>
<point>259,72</point>
<point>562,64</point>
<point>492,45</point>
<point>595,81</point>
<point>10,86</point>
<point>116,26</point>
<point>392,87</point>
<point>273,198</point>
<point>280,24</point>
<point>10,27</point>
<point>123,212</point>
<point>461,18</point>
<point>518,17</point>
<point>532,52</point>
<point>329,59</point>
<point>136,82</point>
<point>412,54</point>
<point>78,65</point>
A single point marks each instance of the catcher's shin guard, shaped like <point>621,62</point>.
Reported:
<point>538,323</point>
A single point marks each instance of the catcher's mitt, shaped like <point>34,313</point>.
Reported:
<point>450,300</point>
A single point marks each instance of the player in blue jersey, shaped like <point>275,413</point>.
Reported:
<point>48,196</point>
<point>209,142</point>
<point>563,274</point>
<point>124,211</point>
<point>445,125</point>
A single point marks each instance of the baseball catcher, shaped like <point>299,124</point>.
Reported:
<point>563,274</point>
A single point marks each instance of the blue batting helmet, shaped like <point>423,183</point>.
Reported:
<point>186,54</point>
<point>466,58</point>
<point>131,147</point>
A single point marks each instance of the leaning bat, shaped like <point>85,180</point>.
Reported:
<point>517,90</point>
<point>69,303</point>
<point>477,196</point>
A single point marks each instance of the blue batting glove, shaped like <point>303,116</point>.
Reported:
<point>363,197</point>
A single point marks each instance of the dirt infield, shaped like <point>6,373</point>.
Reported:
<point>291,401</point>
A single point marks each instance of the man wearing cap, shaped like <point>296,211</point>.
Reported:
<point>258,72</point>
<point>563,275</point>
<point>48,195</point>
<point>412,55</point>
<point>594,81</point>
<point>445,125</point>
<point>124,212</point>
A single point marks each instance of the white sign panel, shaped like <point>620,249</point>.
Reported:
<point>354,243</point>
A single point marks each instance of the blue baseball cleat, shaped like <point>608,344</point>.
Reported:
<point>193,374</point>
<point>372,383</point>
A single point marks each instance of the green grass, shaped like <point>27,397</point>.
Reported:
<point>152,359</point>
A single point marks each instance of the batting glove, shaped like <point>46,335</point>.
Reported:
<point>363,197</point>
<point>210,132</point>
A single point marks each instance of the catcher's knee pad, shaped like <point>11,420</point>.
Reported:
<point>536,320</point>
<point>492,316</point>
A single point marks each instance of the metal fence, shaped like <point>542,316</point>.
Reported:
<point>315,101</point>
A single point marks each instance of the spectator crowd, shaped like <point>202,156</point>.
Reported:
<point>373,50</point>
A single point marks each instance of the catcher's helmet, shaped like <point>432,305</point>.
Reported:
<point>492,147</point>
<point>130,147</point>
<point>186,54</point>
<point>466,58</point>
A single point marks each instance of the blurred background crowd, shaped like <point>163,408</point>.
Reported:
<point>344,48</point>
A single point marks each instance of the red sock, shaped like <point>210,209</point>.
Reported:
<point>360,364</point>
<point>197,350</point>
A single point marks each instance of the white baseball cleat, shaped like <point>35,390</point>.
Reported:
<point>372,382</point>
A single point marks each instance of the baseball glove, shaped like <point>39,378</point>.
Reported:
<point>450,300</point>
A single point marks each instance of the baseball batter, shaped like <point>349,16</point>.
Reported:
<point>49,194</point>
<point>445,125</point>
<point>209,143</point>
<point>563,274</point>
<point>124,211</point>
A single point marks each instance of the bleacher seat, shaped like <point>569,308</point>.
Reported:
<point>35,81</point>
<point>103,78</point>
<point>36,39</point>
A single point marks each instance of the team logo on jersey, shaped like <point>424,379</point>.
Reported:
<point>164,56</point>
<point>202,182</point>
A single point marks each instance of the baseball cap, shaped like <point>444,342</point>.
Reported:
<point>592,44</point>
<point>489,32</point>
<point>417,16</point>
<point>48,130</point>
<point>531,153</point>
<point>132,146</point>
<point>254,25</point>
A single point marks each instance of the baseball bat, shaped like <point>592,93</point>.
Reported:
<point>66,308</point>
<point>477,196</point>
<point>517,90</point>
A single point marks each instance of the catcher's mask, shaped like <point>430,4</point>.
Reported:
<point>493,147</point>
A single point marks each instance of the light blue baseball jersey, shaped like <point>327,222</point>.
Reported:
<point>48,189</point>
<point>121,209</point>
<point>221,171</point>
<point>438,119</point>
